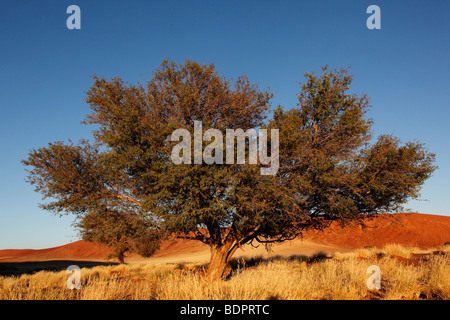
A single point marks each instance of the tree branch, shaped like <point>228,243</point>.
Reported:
<point>118,196</point>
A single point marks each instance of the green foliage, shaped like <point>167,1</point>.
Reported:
<point>328,167</point>
<point>327,158</point>
<point>123,232</point>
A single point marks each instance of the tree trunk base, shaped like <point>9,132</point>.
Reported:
<point>218,267</point>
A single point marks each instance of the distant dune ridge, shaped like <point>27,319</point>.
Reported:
<point>408,229</point>
<point>73,251</point>
<point>411,230</point>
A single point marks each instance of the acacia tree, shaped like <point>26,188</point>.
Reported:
<point>123,232</point>
<point>328,167</point>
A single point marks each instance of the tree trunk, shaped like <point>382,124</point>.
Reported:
<point>121,256</point>
<point>220,256</point>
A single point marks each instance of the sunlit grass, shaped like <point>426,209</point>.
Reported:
<point>342,276</point>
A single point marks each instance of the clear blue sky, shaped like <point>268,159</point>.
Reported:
<point>45,70</point>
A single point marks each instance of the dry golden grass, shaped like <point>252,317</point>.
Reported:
<point>343,276</point>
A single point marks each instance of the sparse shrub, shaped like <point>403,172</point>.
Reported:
<point>180,266</point>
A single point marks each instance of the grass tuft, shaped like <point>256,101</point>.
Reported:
<point>342,276</point>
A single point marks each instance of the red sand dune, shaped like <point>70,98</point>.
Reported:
<point>73,251</point>
<point>419,230</point>
<point>408,229</point>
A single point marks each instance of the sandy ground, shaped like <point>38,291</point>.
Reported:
<point>201,254</point>
<point>413,230</point>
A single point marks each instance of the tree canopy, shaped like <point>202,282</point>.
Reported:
<point>330,166</point>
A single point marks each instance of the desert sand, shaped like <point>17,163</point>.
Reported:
<point>410,230</point>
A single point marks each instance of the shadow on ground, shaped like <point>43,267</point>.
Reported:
<point>238,265</point>
<point>30,267</point>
